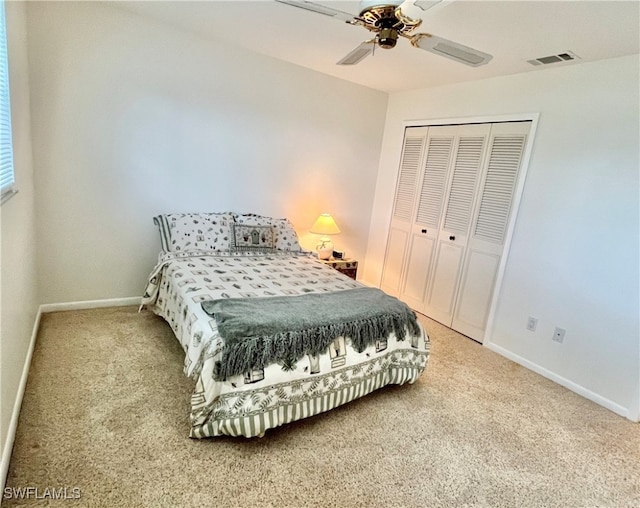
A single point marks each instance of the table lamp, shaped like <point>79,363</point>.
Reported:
<point>325,225</point>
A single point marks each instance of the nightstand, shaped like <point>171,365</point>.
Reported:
<point>347,266</point>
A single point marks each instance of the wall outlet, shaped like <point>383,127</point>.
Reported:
<point>558,334</point>
<point>532,324</point>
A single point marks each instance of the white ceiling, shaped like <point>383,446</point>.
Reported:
<point>513,31</point>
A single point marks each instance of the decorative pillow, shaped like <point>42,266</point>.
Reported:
<point>246,237</point>
<point>195,231</point>
<point>285,237</point>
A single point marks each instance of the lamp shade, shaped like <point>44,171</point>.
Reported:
<point>325,225</point>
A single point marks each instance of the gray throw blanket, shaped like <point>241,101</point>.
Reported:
<point>260,331</point>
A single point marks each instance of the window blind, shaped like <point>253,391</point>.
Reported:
<point>6,146</point>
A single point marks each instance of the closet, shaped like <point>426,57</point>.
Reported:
<point>453,203</point>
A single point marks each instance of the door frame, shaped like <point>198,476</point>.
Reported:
<point>517,196</point>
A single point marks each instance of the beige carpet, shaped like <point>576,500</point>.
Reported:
<point>105,411</point>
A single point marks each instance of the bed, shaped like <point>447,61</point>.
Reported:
<point>308,354</point>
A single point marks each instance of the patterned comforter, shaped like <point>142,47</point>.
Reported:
<point>250,404</point>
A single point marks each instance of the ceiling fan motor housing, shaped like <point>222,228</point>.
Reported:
<point>386,19</point>
<point>380,16</point>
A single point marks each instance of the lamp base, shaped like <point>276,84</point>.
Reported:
<point>324,249</point>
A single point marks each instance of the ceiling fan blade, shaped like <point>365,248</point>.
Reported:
<point>416,9</point>
<point>423,5</point>
<point>450,49</point>
<point>319,9</point>
<point>359,53</point>
<point>426,4</point>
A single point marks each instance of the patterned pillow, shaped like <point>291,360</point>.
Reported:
<point>246,237</point>
<point>285,237</point>
<point>195,231</point>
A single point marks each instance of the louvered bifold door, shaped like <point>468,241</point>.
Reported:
<point>492,218</point>
<point>428,210</point>
<point>403,209</point>
<point>455,221</point>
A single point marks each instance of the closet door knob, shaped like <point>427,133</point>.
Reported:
<point>452,238</point>
<point>424,231</point>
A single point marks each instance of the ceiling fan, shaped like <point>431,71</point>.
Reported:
<point>388,21</point>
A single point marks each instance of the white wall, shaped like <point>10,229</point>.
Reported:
<point>18,298</point>
<point>574,258</point>
<point>133,118</point>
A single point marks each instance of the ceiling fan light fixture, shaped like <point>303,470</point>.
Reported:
<point>387,38</point>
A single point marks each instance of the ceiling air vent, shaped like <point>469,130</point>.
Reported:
<point>567,56</point>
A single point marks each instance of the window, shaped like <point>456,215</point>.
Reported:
<point>6,145</point>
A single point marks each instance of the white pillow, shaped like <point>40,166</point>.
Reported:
<point>195,231</point>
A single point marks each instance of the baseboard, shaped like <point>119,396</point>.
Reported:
<point>13,424</point>
<point>574,387</point>
<point>89,304</point>
<point>43,309</point>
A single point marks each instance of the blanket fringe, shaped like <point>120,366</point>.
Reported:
<point>258,352</point>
